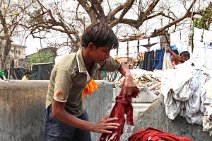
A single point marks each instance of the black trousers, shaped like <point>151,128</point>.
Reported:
<point>57,131</point>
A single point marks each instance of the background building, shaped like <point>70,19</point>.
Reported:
<point>17,53</point>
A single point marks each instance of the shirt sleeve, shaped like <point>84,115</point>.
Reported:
<point>63,84</point>
<point>110,64</point>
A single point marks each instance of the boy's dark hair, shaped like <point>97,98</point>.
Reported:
<point>100,34</point>
<point>185,53</point>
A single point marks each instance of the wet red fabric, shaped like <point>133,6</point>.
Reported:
<point>122,107</point>
<point>151,134</point>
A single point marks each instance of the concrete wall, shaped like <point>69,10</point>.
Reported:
<point>22,108</point>
<point>99,104</point>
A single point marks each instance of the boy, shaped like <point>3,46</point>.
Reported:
<point>176,58</point>
<point>65,118</point>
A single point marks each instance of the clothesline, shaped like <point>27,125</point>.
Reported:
<point>121,47</point>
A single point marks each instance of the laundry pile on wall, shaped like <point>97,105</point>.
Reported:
<point>184,91</point>
<point>143,78</point>
<point>207,118</point>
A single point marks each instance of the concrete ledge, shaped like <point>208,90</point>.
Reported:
<point>22,108</point>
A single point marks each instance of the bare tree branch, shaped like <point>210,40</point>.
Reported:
<point>160,30</point>
<point>89,10</point>
<point>187,14</point>
<point>128,4</point>
<point>96,6</point>
<point>112,13</point>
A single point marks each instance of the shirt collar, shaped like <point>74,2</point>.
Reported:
<point>81,64</point>
<point>80,61</point>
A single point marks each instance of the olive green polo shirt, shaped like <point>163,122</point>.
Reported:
<point>69,77</point>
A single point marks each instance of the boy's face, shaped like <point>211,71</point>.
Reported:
<point>184,57</point>
<point>100,54</point>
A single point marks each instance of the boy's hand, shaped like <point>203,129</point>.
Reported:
<point>128,85</point>
<point>105,125</point>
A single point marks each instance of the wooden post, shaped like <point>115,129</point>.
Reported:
<point>117,51</point>
<point>127,48</point>
<point>138,46</point>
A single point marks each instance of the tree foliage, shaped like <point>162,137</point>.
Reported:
<point>40,58</point>
<point>205,20</point>
<point>43,56</point>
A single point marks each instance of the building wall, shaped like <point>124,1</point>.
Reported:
<point>17,53</point>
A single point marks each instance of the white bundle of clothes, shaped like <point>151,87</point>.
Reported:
<point>207,118</point>
<point>184,93</point>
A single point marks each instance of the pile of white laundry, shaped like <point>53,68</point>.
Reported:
<point>207,118</point>
<point>184,93</point>
<point>186,90</point>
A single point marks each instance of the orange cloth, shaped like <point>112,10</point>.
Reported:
<point>89,88</point>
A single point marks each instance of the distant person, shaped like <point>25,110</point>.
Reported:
<point>2,77</point>
<point>26,75</point>
<point>177,58</point>
<point>66,119</point>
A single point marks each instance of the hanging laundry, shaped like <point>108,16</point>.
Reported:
<point>208,45</point>
<point>166,61</point>
<point>158,61</point>
<point>121,108</point>
<point>173,47</point>
<point>148,61</point>
<point>151,134</point>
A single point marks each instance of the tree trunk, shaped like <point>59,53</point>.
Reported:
<point>5,49</point>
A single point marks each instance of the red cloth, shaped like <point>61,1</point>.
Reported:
<point>151,134</point>
<point>122,106</point>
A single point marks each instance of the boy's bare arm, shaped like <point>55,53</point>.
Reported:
<point>175,56</point>
<point>129,84</point>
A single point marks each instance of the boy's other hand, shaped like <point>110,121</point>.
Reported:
<point>105,125</point>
